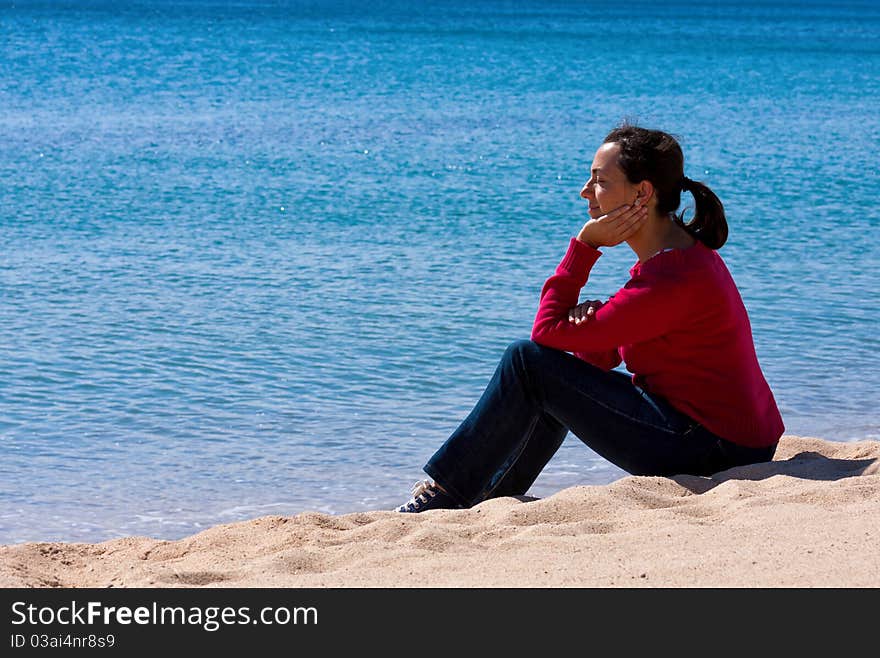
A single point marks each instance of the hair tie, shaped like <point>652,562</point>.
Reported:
<point>686,183</point>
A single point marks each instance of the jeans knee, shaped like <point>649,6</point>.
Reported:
<point>519,349</point>
<point>523,354</point>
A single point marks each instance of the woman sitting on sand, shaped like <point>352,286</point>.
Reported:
<point>697,401</point>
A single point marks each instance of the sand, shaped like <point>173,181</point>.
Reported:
<point>810,518</point>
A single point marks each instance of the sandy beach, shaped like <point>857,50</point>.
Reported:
<point>810,518</point>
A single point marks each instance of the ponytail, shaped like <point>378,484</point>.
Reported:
<point>709,224</point>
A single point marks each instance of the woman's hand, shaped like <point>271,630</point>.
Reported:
<point>615,227</point>
<point>583,312</point>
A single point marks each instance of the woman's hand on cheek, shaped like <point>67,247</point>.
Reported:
<point>614,227</point>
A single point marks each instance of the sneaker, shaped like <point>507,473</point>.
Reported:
<point>425,496</point>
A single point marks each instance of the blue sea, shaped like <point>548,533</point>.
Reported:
<point>262,257</point>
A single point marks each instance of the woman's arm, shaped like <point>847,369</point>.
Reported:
<point>584,312</point>
<point>602,360</point>
<point>649,305</point>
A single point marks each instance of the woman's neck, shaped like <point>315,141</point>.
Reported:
<point>659,233</point>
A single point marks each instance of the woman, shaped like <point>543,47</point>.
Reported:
<point>697,401</point>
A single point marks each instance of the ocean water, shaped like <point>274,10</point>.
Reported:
<point>262,257</point>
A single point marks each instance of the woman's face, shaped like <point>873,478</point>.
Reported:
<point>608,187</point>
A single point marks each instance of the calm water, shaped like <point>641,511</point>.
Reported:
<point>262,257</point>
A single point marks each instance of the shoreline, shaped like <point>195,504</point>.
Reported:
<point>809,518</point>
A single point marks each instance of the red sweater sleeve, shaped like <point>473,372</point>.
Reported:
<point>604,360</point>
<point>646,307</point>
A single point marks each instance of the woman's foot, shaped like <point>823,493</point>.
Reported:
<point>427,495</point>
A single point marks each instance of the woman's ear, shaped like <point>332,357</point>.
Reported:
<point>644,191</point>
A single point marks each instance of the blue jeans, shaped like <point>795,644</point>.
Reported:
<point>538,395</point>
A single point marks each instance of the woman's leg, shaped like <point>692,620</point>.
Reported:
<point>536,395</point>
<point>515,477</point>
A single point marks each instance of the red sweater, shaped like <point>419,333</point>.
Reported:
<point>681,327</point>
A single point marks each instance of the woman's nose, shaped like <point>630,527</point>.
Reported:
<point>585,191</point>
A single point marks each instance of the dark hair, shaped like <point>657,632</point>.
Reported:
<point>656,156</point>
